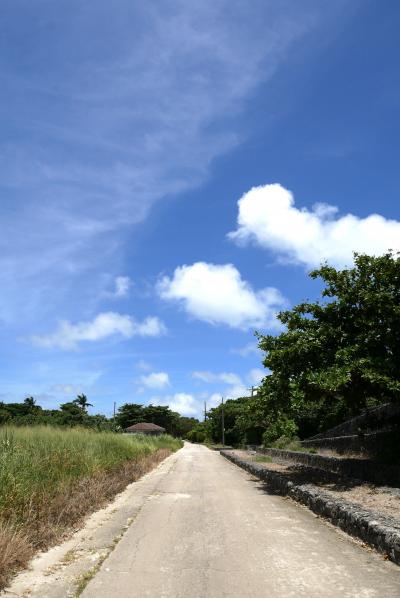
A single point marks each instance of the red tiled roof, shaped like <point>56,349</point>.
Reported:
<point>145,427</point>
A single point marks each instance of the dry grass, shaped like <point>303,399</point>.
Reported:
<point>50,521</point>
<point>34,521</point>
<point>15,551</point>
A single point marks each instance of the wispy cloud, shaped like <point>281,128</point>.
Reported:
<point>233,385</point>
<point>122,286</point>
<point>246,350</point>
<point>212,378</point>
<point>115,117</point>
<point>68,335</point>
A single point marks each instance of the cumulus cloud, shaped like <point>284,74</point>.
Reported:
<point>269,218</point>
<point>217,294</point>
<point>182,402</point>
<point>155,380</point>
<point>104,325</point>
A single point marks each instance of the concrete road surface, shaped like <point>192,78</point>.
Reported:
<point>211,531</point>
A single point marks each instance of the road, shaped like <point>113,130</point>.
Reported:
<point>210,530</point>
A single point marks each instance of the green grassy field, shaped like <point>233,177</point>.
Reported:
<point>50,478</point>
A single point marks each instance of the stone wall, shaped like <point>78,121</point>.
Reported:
<point>375,418</point>
<point>360,469</point>
<point>371,445</point>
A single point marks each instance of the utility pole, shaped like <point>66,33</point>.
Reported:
<point>205,411</point>
<point>223,422</point>
<point>253,390</point>
<point>114,413</point>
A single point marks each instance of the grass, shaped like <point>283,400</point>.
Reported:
<point>262,459</point>
<point>51,478</point>
<point>291,444</point>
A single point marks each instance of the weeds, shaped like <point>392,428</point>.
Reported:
<point>262,459</point>
<point>291,444</point>
<point>50,478</point>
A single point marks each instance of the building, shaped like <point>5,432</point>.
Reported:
<point>145,428</point>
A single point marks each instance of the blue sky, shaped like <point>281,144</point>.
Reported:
<point>169,174</point>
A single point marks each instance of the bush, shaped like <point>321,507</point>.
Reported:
<point>282,428</point>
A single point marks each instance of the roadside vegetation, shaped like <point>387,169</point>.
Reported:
<point>50,478</point>
<point>75,413</point>
<point>336,357</point>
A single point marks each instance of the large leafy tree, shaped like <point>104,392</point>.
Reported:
<point>129,414</point>
<point>241,425</point>
<point>161,415</point>
<point>338,354</point>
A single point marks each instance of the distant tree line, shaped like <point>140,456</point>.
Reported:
<point>75,413</point>
<point>174,423</point>
<point>335,357</point>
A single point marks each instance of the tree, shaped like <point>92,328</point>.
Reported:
<point>184,425</point>
<point>340,354</point>
<point>161,415</point>
<point>82,402</point>
<point>129,414</point>
<point>240,425</point>
<point>30,403</point>
<point>198,433</point>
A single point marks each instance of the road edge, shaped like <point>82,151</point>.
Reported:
<point>382,533</point>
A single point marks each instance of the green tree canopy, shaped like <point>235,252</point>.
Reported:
<point>339,354</point>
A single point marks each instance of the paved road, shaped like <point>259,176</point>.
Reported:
<point>209,530</point>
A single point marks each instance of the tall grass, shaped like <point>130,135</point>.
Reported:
<point>50,478</point>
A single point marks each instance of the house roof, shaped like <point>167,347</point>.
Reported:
<point>145,427</point>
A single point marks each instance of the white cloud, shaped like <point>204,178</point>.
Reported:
<point>143,365</point>
<point>211,378</point>
<point>104,325</point>
<point>122,286</point>
<point>155,380</point>
<point>234,385</point>
<point>66,389</point>
<point>182,402</point>
<point>236,391</point>
<point>233,392</point>
<point>268,217</point>
<point>255,376</point>
<point>217,294</point>
<point>249,349</point>
<point>214,400</point>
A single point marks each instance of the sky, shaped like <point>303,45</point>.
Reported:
<point>169,174</point>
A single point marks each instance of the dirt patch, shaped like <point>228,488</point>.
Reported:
<point>50,522</point>
<point>381,499</point>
